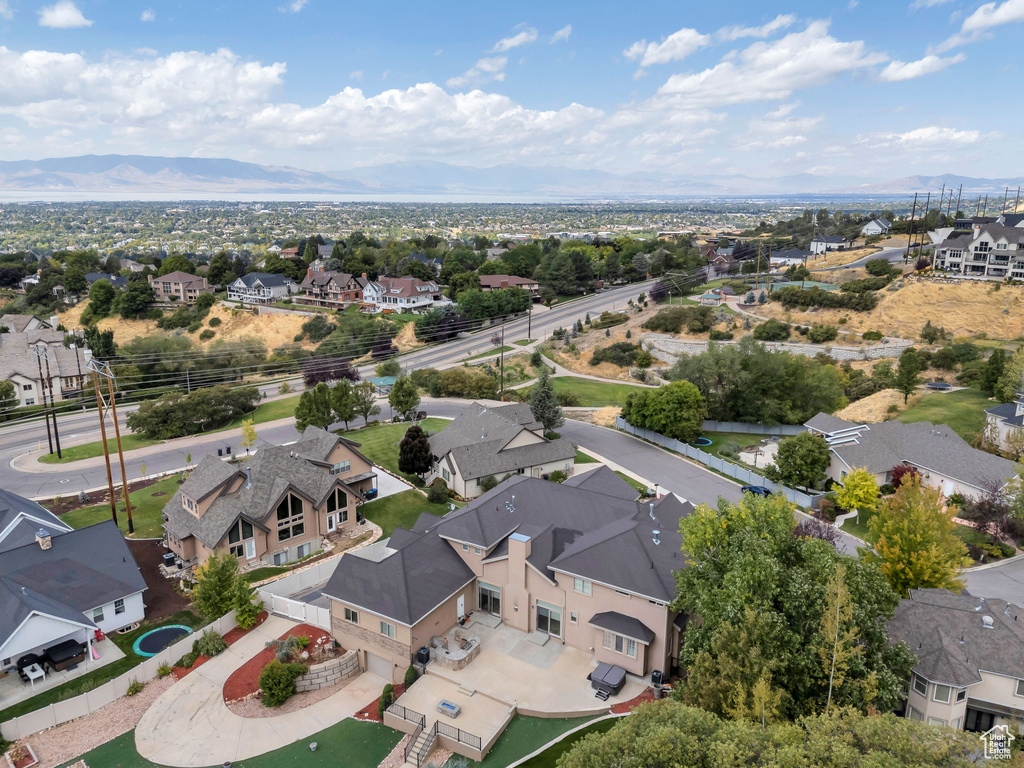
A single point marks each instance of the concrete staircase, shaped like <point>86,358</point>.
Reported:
<point>422,746</point>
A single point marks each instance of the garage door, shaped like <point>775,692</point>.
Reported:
<point>378,666</point>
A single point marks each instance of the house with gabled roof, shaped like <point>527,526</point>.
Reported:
<point>486,442</point>
<point>986,250</point>
<point>876,227</point>
<point>402,294</point>
<point>261,288</point>
<point>825,243</point>
<point>583,564</point>
<point>179,286</point>
<point>328,288</point>
<point>1004,424</point>
<point>277,508</point>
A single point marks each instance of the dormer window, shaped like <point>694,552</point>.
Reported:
<point>190,505</point>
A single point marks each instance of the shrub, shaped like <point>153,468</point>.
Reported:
<point>957,500</point>
<point>902,473</point>
<point>214,322</point>
<point>772,330</point>
<point>878,267</point>
<point>134,687</point>
<point>629,334</point>
<point>209,644</point>
<point>868,284</point>
<point>247,611</point>
<point>186,661</point>
<point>206,335</point>
<point>609,319</point>
<point>411,676</point>
<point>819,334</point>
<point>277,682</point>
<point>720,335</point>
<point>438,491</point>
<point>872,336</point>
<point>673,319</point>
<point>568,399</point>
<point>643,359</point>
<point>622,353</point>
<point>536,359</point>
<point>387,698</point>
<point>828,510</point>
<point>193,327</point>
<point>888,489</point>
<point>558,476</point>
<point>791,297</point>
<point>488,483</point>
<point>930,334</point>
<point>163,670</point>
<point>471,383</point>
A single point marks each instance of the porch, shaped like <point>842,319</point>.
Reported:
<point>13,690</point>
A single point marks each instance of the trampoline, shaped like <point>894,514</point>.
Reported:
<point>154,641</point>
<point>938,386</point>
<point>702,442</point>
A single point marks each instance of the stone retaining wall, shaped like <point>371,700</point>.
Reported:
<point>668,347</point>
<point>328,673</point>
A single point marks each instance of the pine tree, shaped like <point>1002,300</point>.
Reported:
<point>414,455</point>
<point>544,404</point>
<point>214,591</point>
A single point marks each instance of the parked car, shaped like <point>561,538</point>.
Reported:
<point>757,490</point>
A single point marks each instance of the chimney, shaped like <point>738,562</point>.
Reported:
<point>309,273</point>
<point>248,477</point>
<point>365,277</point>
<point>43,539</point>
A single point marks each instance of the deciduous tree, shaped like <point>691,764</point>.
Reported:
<point>364,398</point>
<point>343,402</point>
<point>801,460</point>
<point>908,374</point>
<point>404,397</point>
<point>248,435</point>
<point>858,491</point>
<point>314,408</point>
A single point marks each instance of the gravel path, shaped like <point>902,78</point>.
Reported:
<point>254,707</point>
<point>57,746</point>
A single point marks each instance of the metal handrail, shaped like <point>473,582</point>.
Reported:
<point>412,742</point>
<point>407,714</point>
<point>463,737</point>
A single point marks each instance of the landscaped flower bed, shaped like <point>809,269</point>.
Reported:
<point>629,706</point>
<point>369,712</point>
<point>244,682</point>
<point>232,637</point>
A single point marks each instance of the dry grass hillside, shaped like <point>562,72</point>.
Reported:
<point>963,310</point>
<point>274,330</point>
<point>838,258</point>
<point>875,408</point>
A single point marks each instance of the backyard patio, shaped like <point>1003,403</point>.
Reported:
<point>13,690</point>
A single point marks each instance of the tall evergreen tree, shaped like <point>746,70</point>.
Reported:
<point>414,454</point>
<point>544,404</point>
<point>908,373</point>
<point>314,408</point>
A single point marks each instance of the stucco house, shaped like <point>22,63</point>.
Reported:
<point>20,365</point>
<point>274,510</point>
<point>876,227</point>
<point>1004,424</point>
<point>945,460</point>
<point>970,659</point>
<point>261,288</point>
<point>498,282</point>
<point>327,288</point>
<point>987,250</point>
<point>581,563</point>
<point>58,586</point>
<point>482,442</point>
<point>789,257</point>
<point>21,323</point>
<point>824,243</point>
<point>179,286</point>
<point>402,294</point>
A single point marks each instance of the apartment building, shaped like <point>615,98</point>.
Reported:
<point>988,250</point>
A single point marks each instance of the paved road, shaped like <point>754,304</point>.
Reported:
<point>1004,582</point>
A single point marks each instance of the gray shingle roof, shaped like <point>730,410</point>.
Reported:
<point>603,480</point>
<point>828,424</point>
<point>18,323</point>
<point>18,602</point>
<point>830,239</point>
<point>946,632</point>
<point>18,356</point>
<point>268,279</point>
<point>1007,412</point>
<point>621,624</point>
<point>20,518</point>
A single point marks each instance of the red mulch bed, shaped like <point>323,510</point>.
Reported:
<point>628,706</point>
<point>369,712</point>
<point>236,634</point>
<point>245,680</point>
<point>180,672</point>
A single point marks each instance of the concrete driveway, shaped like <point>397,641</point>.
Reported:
<point>1004,581</point>
<point>189,726</point>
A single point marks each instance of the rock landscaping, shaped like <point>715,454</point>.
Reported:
<point>244,682</point>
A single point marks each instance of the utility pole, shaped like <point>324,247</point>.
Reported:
<point>959,192</point>
<point>103,436</point>
<point>188,380</point>
<point>46,411</point>
<point>1006,195</point>
<point>501,397</point>
<point>984,211</point>
<point>81,381</point>
<point>927,210</point>
<point>1016,201</point>
<point>120,453</point>
<point>53,403</point>
<point>910,230</point>
<point>529,320</point>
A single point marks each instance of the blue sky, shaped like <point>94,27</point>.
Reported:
<point>865,89</point>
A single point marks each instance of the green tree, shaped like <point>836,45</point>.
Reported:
<point>220,271</point>
<point>248,435</point>
<point>676,410</point>
<point>544,404</point>
<point>992,372</point>
<point>837,634</point>
<point>908,373</point>
<point>858,491</point>
<point>801,460</point>
<point>8,398</point>
<point>364,398</point>
<point>389,368</point>
<point>137,297</point>
<point>314,408</point>
<point>343,402</point>
<point>414,456</point>
<point>404,397</point>
<point>913,540</point>
<point>247,610</point>
<point>102,296</point>
<point>176,263</point>
<point>74,281</point>
<point>214,592</point>
<point>1012,380</point>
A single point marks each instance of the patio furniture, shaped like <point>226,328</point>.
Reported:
<point>65,655</point>
<point>449,708</point>
<point>25,662</point>
<point>34,672</point>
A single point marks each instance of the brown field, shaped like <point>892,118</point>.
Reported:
<point>875,408</point>
<point>968,309</point>
<point>838,258</point>
<point>406,338</point>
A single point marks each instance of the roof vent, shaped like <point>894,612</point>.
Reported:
<point>248,477</point>
<point>657,534</point>
<point>987,622</point>
<point>652,512</point>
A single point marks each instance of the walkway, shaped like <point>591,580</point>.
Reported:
<point>189,726</point>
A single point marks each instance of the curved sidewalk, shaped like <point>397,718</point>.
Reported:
<point>190,726</point>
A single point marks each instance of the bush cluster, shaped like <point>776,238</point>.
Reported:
<point>622,353</point>
<point>277,682</point>
<point>772,330</point>
<point>792,297</point>
<point>674,319</point>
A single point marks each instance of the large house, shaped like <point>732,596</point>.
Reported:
<point>402,294</point>
<point>20,365</point>
<point>484,442</point>
<point>275,510</point>
<point>1004,425</point>
<point>986,250</point>
<point>336,290</point>
<point>20,323</point>
<point>876,227</point>
<point>499,282</point>
<point>970,659</point>
<point>179,286</point>
<point>944,459</point>
<point>261,288</point>
<point>825,243</point>
<point>789,257</point>
<point>58,586</point>
<point>582,563</point>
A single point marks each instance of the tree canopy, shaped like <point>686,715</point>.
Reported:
<point>801,460</point>
<point>675,410</point>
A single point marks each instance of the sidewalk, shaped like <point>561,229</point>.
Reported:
<point>190,726</point>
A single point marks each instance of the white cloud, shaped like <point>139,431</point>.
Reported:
<point>976,26</point>
<point>930,137</point>
<point>768,71</point>
<point>782,21</point>
<point>439,51</point>
<point>782,111</point>
<point>294,6</point>
<point>485,70</point>
<point>148,15</point>
<point>918,4</point>
<point>897,71</point>
<point>356,75</point>
<point>562,34</point>
<point>5,10</point>
<point>523,37</point>
<point>675,47</point>
<point>63,15</point>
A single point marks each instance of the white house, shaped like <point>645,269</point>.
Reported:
<point>20,365</point>
<point>989,251</point>
<point>1004,425</point>
<point>402,294</point>
<point>876,227</point>
<point>825,243</point>
<point>261,288</point>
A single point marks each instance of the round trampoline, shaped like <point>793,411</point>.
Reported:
<point>939,386</point>
<point>154,641</point>
<point>703,442</point>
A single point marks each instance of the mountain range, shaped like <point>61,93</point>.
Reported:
<point>133,176</point>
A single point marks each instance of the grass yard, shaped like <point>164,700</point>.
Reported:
<point>963,411</point>
<point>594,394</point>
<point>90,450</point>
<point>103,674</point>
<point>524,342</point>
<point>147,509</point>
<point>380,442</point>
<point>640,487</point>
<point>523,736</point>
<point>270,411</point>
<point>349,743</point>
<point>400,511</point>
<point>860,530</point>
<point>718,439</point>
<point>549,757</point>
<point>489,353</point>
<point>582,458</point>
<point>259,574</point>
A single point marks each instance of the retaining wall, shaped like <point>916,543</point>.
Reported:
<point>328,673</point>
<point>668,346</point>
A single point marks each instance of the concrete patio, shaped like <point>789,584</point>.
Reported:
<point>545,681</point>
<point>13,690</point>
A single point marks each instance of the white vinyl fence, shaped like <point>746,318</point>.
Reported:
<point>745,476</point>
<point>296,610</point>
<point>278,595</point>
<point>781,430</point>
<point>87,703</point>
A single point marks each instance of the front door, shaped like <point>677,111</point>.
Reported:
<point>549,619</point>
<point>330,523</point>
<point>250,549</point>
<point>460,606</point>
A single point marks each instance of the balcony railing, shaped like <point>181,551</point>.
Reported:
<point>461,736</point>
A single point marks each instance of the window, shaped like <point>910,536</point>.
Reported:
<point>958,723</point>
<point>388,630</point>
<point>1020,687</point>
<point>920,685</point>
<point>341,467</point>
<point>238,534</point>
<point>913,714</point>
<point>119,606</point>
<point>942,694</point>
<point>289,518</point>
<point>465,547</point>
<point>620,644</point>
<point>581,585</point>
<point>97,614</point>
<point>476,550</point>
<point>338,500</point>
<point>935,721</point>
<point>26,387</point>
<point>574,617</point>
<point>30,401</point>
<point>446,475</point>
<point>351,615</point>
<point>961,694</point>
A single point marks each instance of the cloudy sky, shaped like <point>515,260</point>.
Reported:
<point>879,88</point>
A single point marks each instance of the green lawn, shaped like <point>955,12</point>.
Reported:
<point>963,411</point>
<point>103,674</point>
<point>640,487</point>
<point>524,342</point>
<point>523,736</point>
<point>549,757</point>
<point>349,743</point>
<point>400,511</point>
<point>495,351</point>
<point>380,442</point>
<point>259,574</point>
<point>718,439</point>
<point>860,530</point>
<point>582,458</point>
<point>594,394</point>
<point>270,411</point>
<point>147,509</point>
<point>89,450</point>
